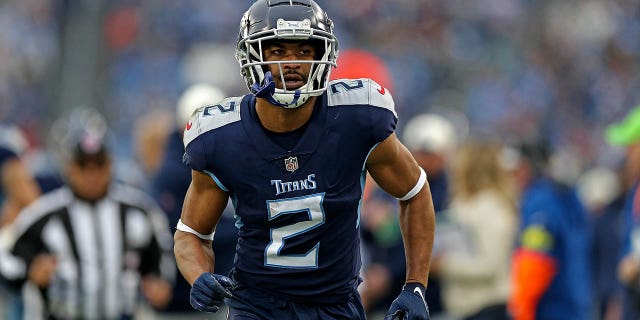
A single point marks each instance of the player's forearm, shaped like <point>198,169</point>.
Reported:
<point>193,255</point>
<point>417,222</point>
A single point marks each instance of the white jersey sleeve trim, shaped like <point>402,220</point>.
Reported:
<point>412,193</point>
<point>207,118</point>
<point>185,228</point>
<point>363,91</point>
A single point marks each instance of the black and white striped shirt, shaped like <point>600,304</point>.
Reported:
<point>102,249</point>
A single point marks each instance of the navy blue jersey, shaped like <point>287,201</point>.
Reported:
<point>297,209</point>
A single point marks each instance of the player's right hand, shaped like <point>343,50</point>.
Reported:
<point>209,290</point>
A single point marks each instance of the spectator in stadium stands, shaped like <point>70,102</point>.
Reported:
<point>550,267</point>
<point>169,186</point>
<point>627,133</point>
<point>474,271</point>
<point>150,135</point>
<point>383,269</point>
<point>432,138</point>
<point>18,188</point>
<point>93,245</point>
<point>601,190</point>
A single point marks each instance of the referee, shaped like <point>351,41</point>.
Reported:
<point>92,247</point>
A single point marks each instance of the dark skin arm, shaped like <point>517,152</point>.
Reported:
<point>393,167</point>
<point>203,207</point>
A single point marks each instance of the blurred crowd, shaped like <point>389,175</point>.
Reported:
<point>489,74</point>
<point>509,66</point>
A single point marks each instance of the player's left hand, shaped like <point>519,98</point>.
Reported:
<point>209,291</point>
<point>410,304</point>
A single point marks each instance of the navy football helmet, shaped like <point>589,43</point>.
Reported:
<point>297,20</point>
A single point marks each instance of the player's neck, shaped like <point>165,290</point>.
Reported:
<point>279,119</point>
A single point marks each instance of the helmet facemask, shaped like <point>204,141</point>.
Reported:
<point>249,53</point>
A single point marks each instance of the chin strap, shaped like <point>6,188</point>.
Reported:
<point>267,90</point>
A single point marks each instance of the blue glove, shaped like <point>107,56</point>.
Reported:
<point>209,290</point>
<point>410,304</point>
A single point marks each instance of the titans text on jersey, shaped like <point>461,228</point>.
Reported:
<point>287,186</point>
<point>297,206</point>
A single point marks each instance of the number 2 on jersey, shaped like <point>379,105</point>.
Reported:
<point>311,206</point>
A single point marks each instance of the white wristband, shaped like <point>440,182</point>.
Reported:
<point>185,228</point>
<point>412,193</point>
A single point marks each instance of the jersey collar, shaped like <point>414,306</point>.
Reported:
<point>270,150</point>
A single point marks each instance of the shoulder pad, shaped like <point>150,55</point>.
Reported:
<point>363,91</point>
<point>207,118</point>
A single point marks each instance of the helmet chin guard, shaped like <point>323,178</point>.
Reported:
<point>285,21</point>
<point>285,100</point>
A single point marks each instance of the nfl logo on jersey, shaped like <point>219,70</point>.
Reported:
<point>291,164</point>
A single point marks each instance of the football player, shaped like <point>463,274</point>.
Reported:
<point>293,156</point>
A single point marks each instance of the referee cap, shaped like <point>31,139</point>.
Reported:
<point>81,133</point>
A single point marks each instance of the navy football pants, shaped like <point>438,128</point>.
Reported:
<point>251,304</point>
